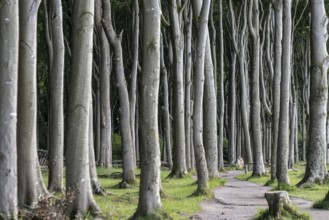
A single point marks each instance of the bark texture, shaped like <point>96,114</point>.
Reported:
<point>77,142</point>
<point>315,166</point>
<point>149,195</point>
<point>8,108</point>
<point>30,184</point>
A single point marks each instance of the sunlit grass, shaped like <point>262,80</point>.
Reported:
<point>313,193</point>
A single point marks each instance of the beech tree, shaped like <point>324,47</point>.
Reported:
<point>55,41</point>
<point>8,108</point>
<point>149,202</point>
<point>316,151</point>
<point>200,159</point>
<point>30,183</point>
<point>77,141</point>
<point>283,134</point>
<point>125,125</point>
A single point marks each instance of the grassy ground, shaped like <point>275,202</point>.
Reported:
<point>177,203</point>
<point>314,193</point>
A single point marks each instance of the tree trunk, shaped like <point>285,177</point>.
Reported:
<point>125,129</point>
<point>30,183</point>
<point>56,105</point>
<point>77,142</point>
<point>9,29</point>
<point>201,164</point>
<point>166,110</point>
<point>221,89</point>
<point>149,194</point>
<point>188,84</point>
<point>315,166</point>
<point>253,20</point>
<point>177,38</point>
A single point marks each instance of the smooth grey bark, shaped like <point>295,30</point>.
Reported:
<point>9,29</point>
<point>104,104</point>
<point>199,69</point>
<point>149,192</point>
<point>221,91</point>
<point>166,110</point>
<point>30,183</point>
<point>283,134</point>
<point>188,84</point>
<point>56,92</point>
<point>125,127</point>
<point>316,151</point>
<point>177,38</point>
<point>292,124</point>
<point>277,5</point>
<point>77,141</point>
<point>253,23</point>
<point>133,83</point>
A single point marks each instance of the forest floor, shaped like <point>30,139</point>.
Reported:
<point>242,200</point>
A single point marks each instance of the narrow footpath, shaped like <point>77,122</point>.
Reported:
<point>241,200</point>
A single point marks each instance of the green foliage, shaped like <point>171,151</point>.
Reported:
<point>116,147</point>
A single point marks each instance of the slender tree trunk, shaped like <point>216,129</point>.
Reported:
<point>56,106</point>
<point>125,128</point>
<point>315,166</point>
<point>30,184</point>
<point>133,83</point>
<point>277,4</point>
<point>9,29</point>
<point>253,20</point>
<point>201,164</point>
<point>188,84</point>
<point>166,110</point>
<point>221,89</point>
<point>149,194</point>
<point>177,38</point>
<point>77,142</point>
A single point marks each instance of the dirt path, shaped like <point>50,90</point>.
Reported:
<point>241,200</point>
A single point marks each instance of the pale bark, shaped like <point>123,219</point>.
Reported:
<point>77,141</point>
<point>188,84</point>
<point>149,194</point>
<point>277,5</point>
<point>315,166</point>
<point>56,105</point>
<point>133,83</point>
<point>8,108</point>
<point>283,134</point>
<point>201,164</point>
<point>177,38</point>
<point>30,183</point>
<point>125,127</point>
<point>221,89</point>
<point>253,23</point>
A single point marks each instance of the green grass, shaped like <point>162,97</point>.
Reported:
<point>122,203</point>
<point>285,215</point>
<point>313,193</point>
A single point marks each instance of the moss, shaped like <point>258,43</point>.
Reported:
<point>287,213</point>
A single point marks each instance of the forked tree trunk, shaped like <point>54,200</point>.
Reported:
<point>149,194</point>
<point>30,183</point>
<point>77,142</point>
<point>315,166</point>
<point>8,108</point>
<point>56,105</point>
<point>125,127</point>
